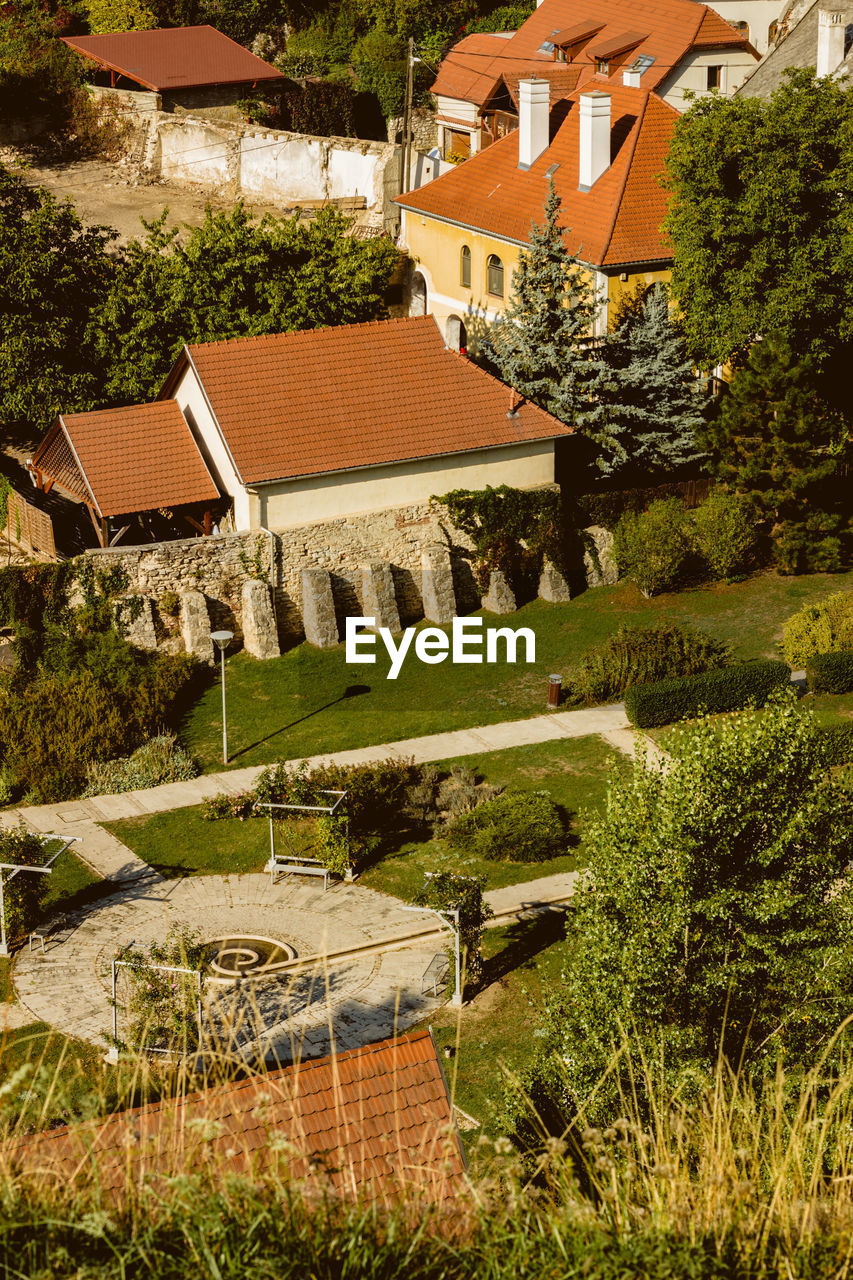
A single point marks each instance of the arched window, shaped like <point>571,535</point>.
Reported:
<point>465,267</point>
<point>495,276</point>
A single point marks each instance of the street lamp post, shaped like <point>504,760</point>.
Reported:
<point>222,639</point>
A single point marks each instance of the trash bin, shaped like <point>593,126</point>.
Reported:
<point>554,685</point>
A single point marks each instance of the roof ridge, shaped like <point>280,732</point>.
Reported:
<point>298,333</point>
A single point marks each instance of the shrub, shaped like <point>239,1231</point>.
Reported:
<point>830,673</point>
<point>517,826</point>
<point>170,604</point>
<point>727,689</point>
<point>157,761</point>
<point>53,727</point>
<point>824,627</point>
<point>725,534</point>
<point>652,547</point>
<point>638,655</point>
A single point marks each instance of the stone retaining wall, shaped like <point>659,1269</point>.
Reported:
<point>409,558</point>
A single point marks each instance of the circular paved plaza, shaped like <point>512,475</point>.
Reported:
<point>297,1013</point>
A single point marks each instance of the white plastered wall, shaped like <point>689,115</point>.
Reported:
<point>193,404</point>
<point>329,497</point>
<point>692,74</point>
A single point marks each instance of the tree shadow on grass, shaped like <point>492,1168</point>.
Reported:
<point>351,691</point>
<point>526,939</point>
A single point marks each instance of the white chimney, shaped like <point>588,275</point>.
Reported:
<point>594,138</point>
<point>534,106</point>
<point>631,78</point>
<point>830,41</point>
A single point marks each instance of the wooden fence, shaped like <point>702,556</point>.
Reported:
<point>28,527</point>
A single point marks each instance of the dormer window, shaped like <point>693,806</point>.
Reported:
<point>602,67</point>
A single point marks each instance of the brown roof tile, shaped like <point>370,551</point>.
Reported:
<point>126,460</point>
<point>673,28</point>
<point>175,57</point>
<point>618,221</point>
<point>383,1123</point>
<point>324,400</point>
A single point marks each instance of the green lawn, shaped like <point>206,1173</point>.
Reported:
<point>574,771</point>
<point>310,701</point>
<point>497,1030</point>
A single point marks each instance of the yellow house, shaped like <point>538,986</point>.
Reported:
<point>605,151</point>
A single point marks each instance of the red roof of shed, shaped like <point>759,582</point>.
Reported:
<point>139,458</point>
<point>175,57</point>
<point>375,1120</point>
<point>321,400</point>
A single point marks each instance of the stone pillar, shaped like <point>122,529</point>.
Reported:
<point>141,631</point>
<point>439,598</point>
<point>318,608</point>
<point>552,585</point>
<point>260,635</point>
<point>377,595</point>
<point>599,561</point>
<point>500,597</point>
<point>195,625</point>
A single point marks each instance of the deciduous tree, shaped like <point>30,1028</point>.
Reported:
<point>714,916</point>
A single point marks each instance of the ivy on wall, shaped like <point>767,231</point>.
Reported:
<point>513,530</point>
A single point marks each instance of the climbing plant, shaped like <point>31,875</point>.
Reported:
<point>513,530</point>
<point>446,891</point>
<point>162,1005</point>
<point>23,894</point>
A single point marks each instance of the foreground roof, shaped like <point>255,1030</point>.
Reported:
<point>175,57</point>
<point>121,461</point>
<point>618,221</point>
<point>373,1121</point>
<point>326,400</point>
<point>664,30</point>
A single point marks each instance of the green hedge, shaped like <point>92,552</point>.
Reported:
<point>726,689</point>
<point>830,672</point>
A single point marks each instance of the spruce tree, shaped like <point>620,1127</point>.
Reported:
<point>540,344</point>
<point>654,408</point>
<point>777,441</point>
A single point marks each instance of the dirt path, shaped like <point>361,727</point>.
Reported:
<point>108,193</point>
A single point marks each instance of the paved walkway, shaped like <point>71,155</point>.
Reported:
<point>112,860</point>
<point>360,958</point>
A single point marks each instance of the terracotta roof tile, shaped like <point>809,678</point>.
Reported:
<point>617,221</point>
<point>398,1133</point>
<point>175,57</point>
<point>323,400</point>
<point>125,460</point>
<point>673,27</point>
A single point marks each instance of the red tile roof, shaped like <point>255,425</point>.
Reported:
<point>672,27</point>
<point>175,57</point>
<point>618,221</point>
<point>325,400</point>
<point>374,1121</point>
<point>124,460</point>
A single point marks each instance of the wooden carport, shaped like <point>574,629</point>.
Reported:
<point>128,466</point>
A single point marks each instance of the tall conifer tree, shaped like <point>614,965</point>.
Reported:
<point>540,345</point>
<point>654,409</point>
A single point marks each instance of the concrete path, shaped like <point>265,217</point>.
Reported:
<point>112,860</point>
<point>360,958</point>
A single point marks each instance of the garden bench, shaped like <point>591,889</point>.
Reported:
<point>436,972</point>
<point>290,865</point>
<point>47,930</point>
